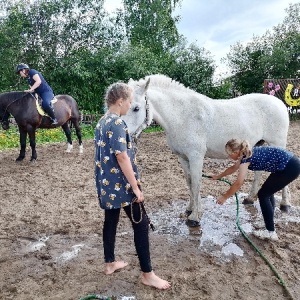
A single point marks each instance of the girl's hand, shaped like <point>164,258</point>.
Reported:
<point>139,195</point>
<point>221,200</point>
<point>215,177</point>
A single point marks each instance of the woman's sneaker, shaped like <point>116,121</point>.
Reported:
<point>266,235</point>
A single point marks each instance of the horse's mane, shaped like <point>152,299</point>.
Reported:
<point>163,81</point>
<point>11,96</point>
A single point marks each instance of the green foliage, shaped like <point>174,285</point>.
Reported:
<point>80,49</point>
<point>151,24</point>
<point>193,67</point>
<point>273,55</point>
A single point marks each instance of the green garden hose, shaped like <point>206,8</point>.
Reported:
<point>281,281</point>
<point>99,297</point>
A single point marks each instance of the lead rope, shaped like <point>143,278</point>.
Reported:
<point>142,210</point>
<point>281,281</point>
<point>141,204</point>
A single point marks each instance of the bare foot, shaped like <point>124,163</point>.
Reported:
<point>114,266</point>
<point>152,280</point>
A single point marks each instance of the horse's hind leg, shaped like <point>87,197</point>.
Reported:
<point>23,137</point>
<point>285,203</point>
<point>78,133</point>
<point>68,134</point>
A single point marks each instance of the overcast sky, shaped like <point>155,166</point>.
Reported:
<point>217,24</point>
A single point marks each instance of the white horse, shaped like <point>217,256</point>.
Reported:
<point>197,126</point>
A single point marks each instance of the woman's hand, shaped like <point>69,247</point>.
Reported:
<point>215,177</point>
<point>221,200</point>
<point>139,195</point>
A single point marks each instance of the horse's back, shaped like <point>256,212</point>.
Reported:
<point>66,98</point>
<point>69,103</point>
<point>264,101</point>
<point>253,105</point>
<point>253,117</point>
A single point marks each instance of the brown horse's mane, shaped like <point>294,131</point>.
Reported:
<point>14,96</point>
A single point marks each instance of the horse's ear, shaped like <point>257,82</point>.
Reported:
<point>130,81</point>
<point>147,84</point>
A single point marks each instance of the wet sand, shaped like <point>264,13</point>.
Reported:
<point>51,232</point>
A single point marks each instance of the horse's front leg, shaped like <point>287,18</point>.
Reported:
<point>186,169</point>
<point>285,203</point>
<point>193,167</point>
<point>196,166</point>
<point>67,131</point>
<point>254,188</point>
<point>23,137</point>
<point>31,133</point>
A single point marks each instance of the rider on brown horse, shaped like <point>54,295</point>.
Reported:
<point>38,85</point>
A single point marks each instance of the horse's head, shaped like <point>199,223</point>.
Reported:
<point>139,115</point>
<point>4,115</point>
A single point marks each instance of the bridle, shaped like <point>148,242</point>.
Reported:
<point>147,121</point>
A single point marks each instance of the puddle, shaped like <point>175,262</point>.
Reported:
<point>216,234</point>
<point>218,224</point>
<point>31,245</point>
<point>68,255</point>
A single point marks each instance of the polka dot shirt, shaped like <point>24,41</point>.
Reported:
<point>270,159</point>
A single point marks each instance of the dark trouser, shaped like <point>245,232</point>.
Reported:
<point>141,235</point>
<point>46,103</point>
<point>274,183</point>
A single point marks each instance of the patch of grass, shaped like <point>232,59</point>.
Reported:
<point>11,139</point>
<point>154,128</point>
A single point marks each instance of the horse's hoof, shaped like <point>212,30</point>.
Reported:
<point>285,208</point>
<point>247,202</point>
<point>188,212</point>
<point>192,223</point>
<point>69,148</point>
<point>20,158</point>
<point>33,160</point>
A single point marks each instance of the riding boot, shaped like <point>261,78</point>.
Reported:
<point>51,114</point>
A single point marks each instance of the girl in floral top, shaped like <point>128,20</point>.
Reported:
<point>118,184</point>
<point>283,165</point>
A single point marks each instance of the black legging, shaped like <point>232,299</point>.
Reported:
<point>141,235</point>
<point>274,183</point>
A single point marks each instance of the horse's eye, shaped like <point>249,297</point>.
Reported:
<point>136,108</point>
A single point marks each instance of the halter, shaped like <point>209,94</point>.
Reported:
<point>145,123</point>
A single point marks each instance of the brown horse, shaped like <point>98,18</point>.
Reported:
<point>22,106</point>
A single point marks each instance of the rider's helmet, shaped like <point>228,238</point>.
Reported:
<point>21,67</point>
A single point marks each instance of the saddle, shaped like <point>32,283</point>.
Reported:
<point>39,107</point>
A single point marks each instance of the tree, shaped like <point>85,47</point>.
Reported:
<point>41,36</point>
<point>193,67</point>
<point>150,23</point>
<point>273,55</point>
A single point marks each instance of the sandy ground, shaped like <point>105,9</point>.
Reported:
<point>51,233</point>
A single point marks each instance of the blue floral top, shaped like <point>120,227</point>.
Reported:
<point>270,159</point>
<point>112,138</point>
